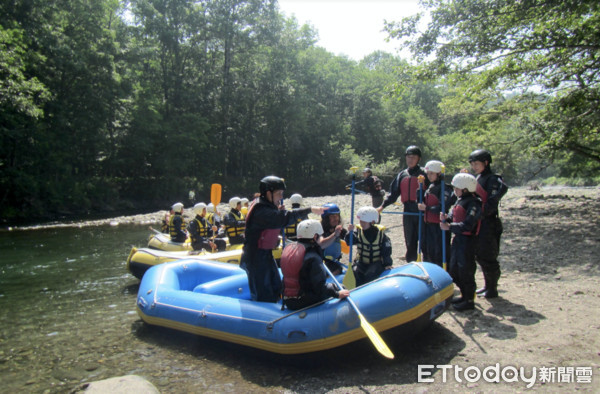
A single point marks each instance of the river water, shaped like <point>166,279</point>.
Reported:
<point>67,312</point>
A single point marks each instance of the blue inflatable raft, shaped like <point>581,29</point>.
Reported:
<point>212,299</point>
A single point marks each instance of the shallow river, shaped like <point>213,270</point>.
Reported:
<point>67,312</point>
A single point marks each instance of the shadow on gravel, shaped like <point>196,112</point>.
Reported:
<point>354,365</point>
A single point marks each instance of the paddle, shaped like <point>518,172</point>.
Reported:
<point>349,279</point>
<point>421,179</point>
<point>443,198</point>
<point>215,199</point>
<point>371,332</point>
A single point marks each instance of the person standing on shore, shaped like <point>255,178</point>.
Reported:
<point>463,221</point>
<point>406,186</point>
<point>490,188</point>
<point>431,208</point>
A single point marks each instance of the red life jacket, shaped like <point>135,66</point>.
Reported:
<point>431,200</point>
<point>459,214</point>
<point>292,259</point>
<point>482,193</point>
<point>408,189</point>
<point>269,238</point>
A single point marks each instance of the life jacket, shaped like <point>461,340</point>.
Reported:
<point>333,251</point>
<point>292,259</point>
<point>459,214</point>
<point>172,230</point>
<point>235,230</point>
<point>290,231</point>
<point>431,200</point>
<point>210,218</point>
<point>409,187</point>
<point>369,252</point>
<point>202,227</point>
<point>269,237</point>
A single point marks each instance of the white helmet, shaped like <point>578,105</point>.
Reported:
<point>308,228</point>
<point>199,208</point>
<point>434,166</point>
<point>210,207</point>
<point>367,214</point>
<point>296,198</point>
<point>177,207</point>
<point>234,201</point>
<point>465,181</point>
<point>245,201</point>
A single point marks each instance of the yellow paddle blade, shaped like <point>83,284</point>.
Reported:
<point>215,194</point>
<point>349,280</point>
<point>380,345</point>
<point>419,258</point>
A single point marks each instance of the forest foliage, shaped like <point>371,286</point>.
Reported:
<point>111,105</point>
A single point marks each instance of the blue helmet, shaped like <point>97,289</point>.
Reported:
<point>332,210</point>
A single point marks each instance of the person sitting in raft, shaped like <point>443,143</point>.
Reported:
<point>235,222</point>
<point>201,231</point>
<point>164,225</point>
<point>177,224</point>
<point>331,241</point>
<point>290,231</point>
<point>264,223</point>
<point>304,277</point>
<point>374,249</point>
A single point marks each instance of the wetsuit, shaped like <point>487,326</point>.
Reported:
<point>406,186</point>
<point>432,234</point>
<point>464,223</point>
<point>490,188</point>
<point>306,286</point>
<point>263,226</point>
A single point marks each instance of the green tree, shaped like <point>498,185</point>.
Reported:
<point>547,47</point>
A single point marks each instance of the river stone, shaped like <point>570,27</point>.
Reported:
<point>119,385</point>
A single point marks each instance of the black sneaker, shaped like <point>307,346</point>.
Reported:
<point>457,300</point>
<point>465,305</point>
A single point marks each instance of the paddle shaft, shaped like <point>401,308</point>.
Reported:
<point>443,198</point>
<point>352,217</point>
<point>419,258</point>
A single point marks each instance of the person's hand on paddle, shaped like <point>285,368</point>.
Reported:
<point>379,209</point>
<point>443,224</point>
<point>343,294</point>
<point>351,227</point>
<point>421,206</point>
<point>338,230</point>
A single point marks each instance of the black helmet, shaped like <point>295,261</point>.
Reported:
<point>413,150</point>
<point>481,155</point>
<point>270,183</point>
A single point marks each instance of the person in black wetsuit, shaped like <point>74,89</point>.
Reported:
<point>304,277</point>
<point>490,188</point>
<point>264,222</point>
<point>463,222</point>
<point>406,186</point>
